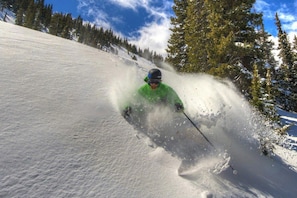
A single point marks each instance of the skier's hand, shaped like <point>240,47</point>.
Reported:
<point>127,112</point>
<point>179,107</point>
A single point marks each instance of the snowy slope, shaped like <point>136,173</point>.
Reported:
<point>62,135</point>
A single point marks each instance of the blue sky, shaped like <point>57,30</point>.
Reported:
<point>146,22</point>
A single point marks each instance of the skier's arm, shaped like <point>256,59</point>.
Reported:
<point>178,104</point>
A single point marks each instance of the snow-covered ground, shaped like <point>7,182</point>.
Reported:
<point>62,135</point>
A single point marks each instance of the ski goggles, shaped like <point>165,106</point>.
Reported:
<point>154,81</point>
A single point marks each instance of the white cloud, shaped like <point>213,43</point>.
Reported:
<point>132,4</point>
<point>153,36</point>
<point>100,17</point>
<point>294,25</point>
<point>285,16</point>
<point>265,8</point>
<point>146,4</point>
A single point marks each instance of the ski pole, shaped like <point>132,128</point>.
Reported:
<point>199,130</point>
<point>234,171</point>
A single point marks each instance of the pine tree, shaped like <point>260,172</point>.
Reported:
<point>94,37</point>
<point>266,65</point>
<point>256,89</point>
<point>269,85</point>
<point>54,27</point>
<point>3,5</point>
<point>20,17</point>
<point>48,12</point>
<point>285,49</point>
<point>82,34</point>
<point>269,97</point>
<point>232,34</point>
<point>77,25</point>
<point>295,47</point>
<point>30,15</point>
<point>285,74</point>
<point>39,4</point>
<point>264,53</point>
<point>220,35</point>
<point>196,27</point>
<point>66,26</point>
<point>294,73</point>
<point>177,49</point>
<point>294,68</point>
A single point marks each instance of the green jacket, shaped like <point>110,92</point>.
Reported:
<point>162,95</point>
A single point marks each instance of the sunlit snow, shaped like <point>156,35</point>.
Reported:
<point>62,134</point>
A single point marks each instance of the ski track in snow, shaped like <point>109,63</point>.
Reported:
<point>62,135</point>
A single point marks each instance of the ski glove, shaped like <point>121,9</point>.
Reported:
<point>127,112</point>
<point>179,107</point>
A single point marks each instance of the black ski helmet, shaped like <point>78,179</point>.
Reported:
<point>154,75</point>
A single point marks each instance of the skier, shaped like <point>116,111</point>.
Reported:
<point>156,93</point>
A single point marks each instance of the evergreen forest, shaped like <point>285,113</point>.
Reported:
<point>227,39</point>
